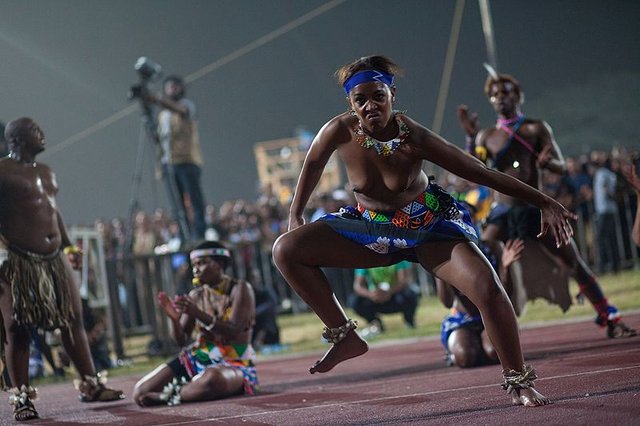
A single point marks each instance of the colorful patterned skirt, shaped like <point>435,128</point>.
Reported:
<point>204,354</point>
<point>433,216</point>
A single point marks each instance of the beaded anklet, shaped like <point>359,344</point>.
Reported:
<point>171,391</point>
<point>337,334</point>
<point>516,380</point>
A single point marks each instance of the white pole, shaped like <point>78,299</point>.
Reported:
<point>487,29</point>
<point>447,70</point>
<point>448,66</point>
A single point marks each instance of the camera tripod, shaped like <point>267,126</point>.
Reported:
<point>149,132</point>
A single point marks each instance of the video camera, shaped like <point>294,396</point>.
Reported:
<point>148,71</point>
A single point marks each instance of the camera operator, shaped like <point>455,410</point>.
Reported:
<point>182,157</point>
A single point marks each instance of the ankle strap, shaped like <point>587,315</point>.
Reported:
<point>337,334</point>
<point>19,396</point>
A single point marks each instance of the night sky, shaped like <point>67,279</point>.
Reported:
<point>69,65</point>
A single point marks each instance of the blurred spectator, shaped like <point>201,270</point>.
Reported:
<point>144,242</point>
<point>4,148</point>
<point>96,329</point>
<point>606,209</point>
<point>119,237</point>
<point>266,332</point>
<point>172,238</point>
<point>322,206</point>
<point>213,231</point>
<point>476,198</point>
<point>105,231</point>
<point>556,186</point>
<point>40,348</point>
<point>160,223</point>
<point>625,199</point>
<point>579,183</point>
<point>384,290</point>
<point>630,172</point>
<point>144,236</point>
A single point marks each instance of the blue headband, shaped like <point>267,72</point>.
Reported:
<point>367,76</point>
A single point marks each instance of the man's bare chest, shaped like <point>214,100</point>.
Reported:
<point>518,145</point>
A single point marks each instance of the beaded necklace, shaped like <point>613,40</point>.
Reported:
<point>387,148</point>
<point>509,122</point>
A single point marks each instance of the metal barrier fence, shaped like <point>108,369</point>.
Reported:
<point>133,284</point>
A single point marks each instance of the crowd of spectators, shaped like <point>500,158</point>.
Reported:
<point>251,227</point>
<point>596,189</point>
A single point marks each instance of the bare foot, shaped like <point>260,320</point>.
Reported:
<point>529,397</point>
<point>98,393</point>
<point>351,347</point>
<point>167,305</point>
<point>150,399</point>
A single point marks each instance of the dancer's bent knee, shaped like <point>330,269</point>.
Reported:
<point>283,250</point>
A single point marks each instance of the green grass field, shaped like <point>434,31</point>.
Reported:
<point>301,332</point>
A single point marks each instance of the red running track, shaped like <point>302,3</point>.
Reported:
<point>592,380</point>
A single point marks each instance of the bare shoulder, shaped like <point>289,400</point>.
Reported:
<point>195,293</point>
<point>532,121</point>
<point>485,134</point>
<point>414,126</point>
<point>43,168</point>
<point>535,123</point>
<point>242,286</point>
<point>339,130</point>
<point>419,135</point>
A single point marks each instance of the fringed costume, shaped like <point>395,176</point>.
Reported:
<point>38,287</point>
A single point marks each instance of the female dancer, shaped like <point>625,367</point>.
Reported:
<point>401,214</point>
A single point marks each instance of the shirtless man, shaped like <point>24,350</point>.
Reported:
<point>522,147</point>
<point>37,288</point>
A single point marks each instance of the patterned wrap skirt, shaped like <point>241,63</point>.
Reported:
<point>432,216</point>
<point>206,354</point>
